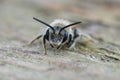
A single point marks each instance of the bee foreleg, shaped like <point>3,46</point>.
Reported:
<point>38,37</point>
<point>44,44</point>
<point>71,41</point>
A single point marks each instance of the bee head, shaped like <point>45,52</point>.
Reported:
<point>57,34</point>
<point>56,38</point>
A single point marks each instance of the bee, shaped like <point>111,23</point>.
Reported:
<point>59,34</point>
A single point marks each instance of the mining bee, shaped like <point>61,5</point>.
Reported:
<point>59,34</point>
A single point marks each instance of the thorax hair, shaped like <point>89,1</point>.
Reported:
<point>60,22</point>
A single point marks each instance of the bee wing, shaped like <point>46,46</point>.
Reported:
<point>87,38</point>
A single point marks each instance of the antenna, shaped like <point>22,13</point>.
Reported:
<point>44,23</point>
<point>69,26</point>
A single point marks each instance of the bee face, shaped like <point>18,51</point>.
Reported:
<point>56,38</point>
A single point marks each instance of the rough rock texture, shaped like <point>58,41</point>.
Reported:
<point>91,61</point>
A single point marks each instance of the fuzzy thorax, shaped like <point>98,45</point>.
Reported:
<point>60,22</point>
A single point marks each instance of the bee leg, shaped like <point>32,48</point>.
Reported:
<point>76,34</point>
<point>70,42</point>
<point>38,37</point>
<point>44,44</point>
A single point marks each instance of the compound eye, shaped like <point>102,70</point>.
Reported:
<point>63,32</point>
